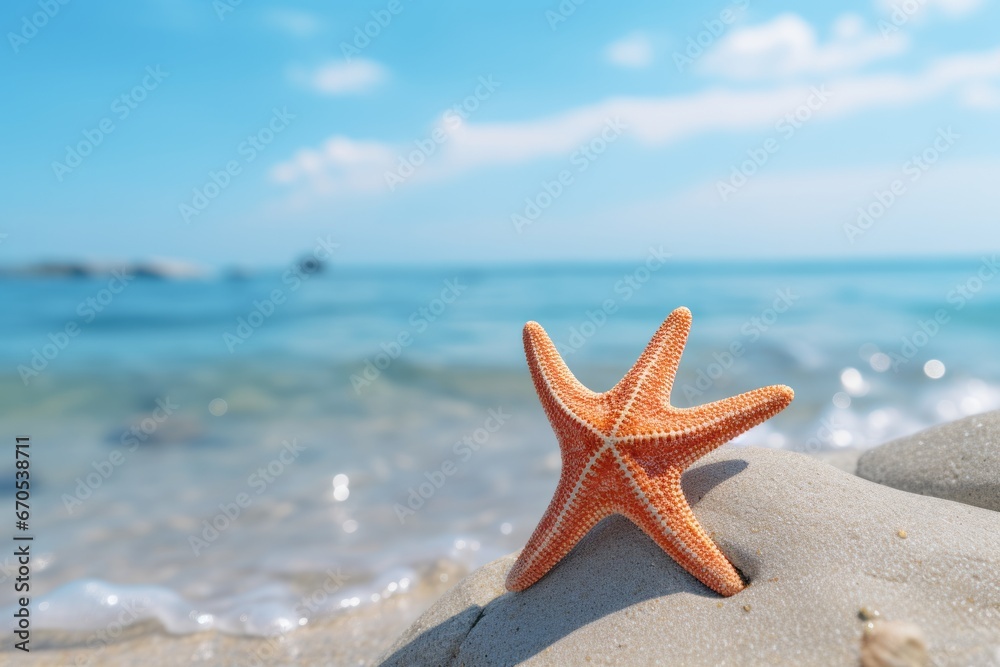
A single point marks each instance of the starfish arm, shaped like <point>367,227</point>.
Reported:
<point>561,527</point>
<point>646,387</point>
<point>714,424</point>
<point>670,522</point>
<point>565,400</point>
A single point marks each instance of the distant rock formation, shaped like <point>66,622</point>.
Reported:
<point>159,269</point>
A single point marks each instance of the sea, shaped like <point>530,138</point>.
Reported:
<point>250,451</point>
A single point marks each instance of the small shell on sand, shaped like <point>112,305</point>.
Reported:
<point>893,644</point>
<point>868,614</point>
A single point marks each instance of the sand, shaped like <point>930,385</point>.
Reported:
<point>349,639</point>
<point>827,554</point>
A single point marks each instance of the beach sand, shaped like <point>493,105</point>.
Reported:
<point>353,638</point>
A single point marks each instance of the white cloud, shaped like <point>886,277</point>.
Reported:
<point>633,50</point>
<point>788,45</point>
<point>340,77</point>
<point>815,206</point>
<point>344,164</point>
<point>956,8</point>
<point>294,22</point>
<point>951,8</point>
<point>340,164</point>
<point>982,96</point>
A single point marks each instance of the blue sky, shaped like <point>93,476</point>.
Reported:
<point>534,131</point>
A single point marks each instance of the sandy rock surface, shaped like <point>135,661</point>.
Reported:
<point>826,552</point>
<point>959,461</point>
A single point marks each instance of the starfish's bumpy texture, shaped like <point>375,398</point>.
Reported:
<point>624,451</point>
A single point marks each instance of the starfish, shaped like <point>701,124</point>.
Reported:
<point>624,451</point>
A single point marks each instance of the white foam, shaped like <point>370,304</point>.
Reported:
<point>105,609</point>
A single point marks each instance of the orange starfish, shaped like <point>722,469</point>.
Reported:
<point>624,451</point>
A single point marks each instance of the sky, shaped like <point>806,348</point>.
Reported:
<point>236,133</point>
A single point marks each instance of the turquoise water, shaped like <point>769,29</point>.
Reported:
<point>221,449</point>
